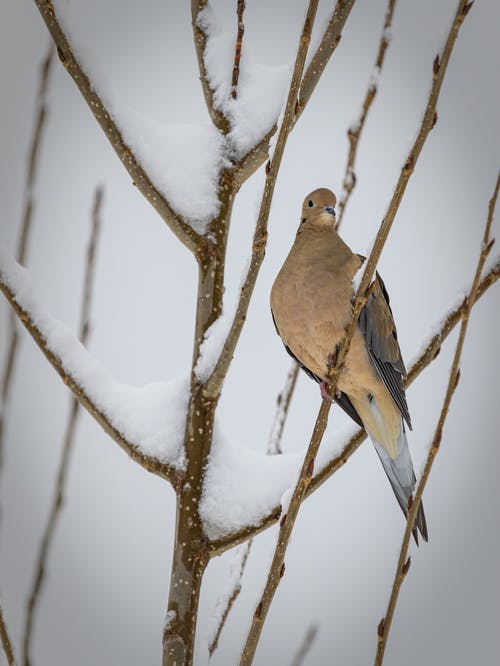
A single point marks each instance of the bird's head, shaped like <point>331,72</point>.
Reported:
<point>318,208</point>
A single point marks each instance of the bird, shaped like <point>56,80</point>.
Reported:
<point>312,304</point>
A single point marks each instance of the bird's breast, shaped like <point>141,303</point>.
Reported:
<point>311,308</point>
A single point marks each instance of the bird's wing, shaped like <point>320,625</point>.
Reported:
<point>377,325</point>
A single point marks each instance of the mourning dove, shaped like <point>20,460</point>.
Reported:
<point>311,304</point>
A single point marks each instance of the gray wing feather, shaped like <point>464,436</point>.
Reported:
<point>379,331</point>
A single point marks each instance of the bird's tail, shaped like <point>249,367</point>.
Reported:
<point>401,474</point>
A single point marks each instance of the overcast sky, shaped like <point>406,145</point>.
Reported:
<point>105,599</point>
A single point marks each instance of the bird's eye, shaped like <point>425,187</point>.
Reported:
<point>310,203</point>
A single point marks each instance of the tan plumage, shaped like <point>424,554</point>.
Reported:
<point>311,306</point>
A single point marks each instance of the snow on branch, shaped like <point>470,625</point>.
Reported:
<point>254,111</point>
<point>257,155</point>
<point>147,422</point>
<point>105,117</point>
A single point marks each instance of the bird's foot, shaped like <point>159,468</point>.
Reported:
<point>323,387</point>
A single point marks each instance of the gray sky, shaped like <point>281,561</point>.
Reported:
<point>105,599</point>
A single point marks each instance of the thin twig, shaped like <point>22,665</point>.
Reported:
<point>57,503</point>
<point>233,594</point>
<point>24,232</point>
<point>6,642</point>
<point>213,384</point>
<point>184,232</point>
<point>283,403</point>
<point>306,645</point>
<point>237,49</point>
<point>354,132</point>
<point>257,155</point>
<point>404,561</point>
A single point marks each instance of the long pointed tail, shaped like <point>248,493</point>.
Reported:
<point>401,475</point>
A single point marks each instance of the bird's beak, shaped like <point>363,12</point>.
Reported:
<point>329,209</point>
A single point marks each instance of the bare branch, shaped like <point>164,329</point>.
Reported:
<point>57,503</point>
<point>328,44</point>
<point>354,132</point>
<point>231,597</point>
<point>283,403</point>
<point>151,464</point>
<point>22,247</point>
<point>200,41</point>
<point>214,383</point>
<point>306,645</point>
<point>6,642</point>
<point>180,227</point>
<point>257,155</point>
<point>404,561</point>
<point>237,49</point>
<point>430,353</point>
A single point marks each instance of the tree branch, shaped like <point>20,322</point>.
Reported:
<point>233,594</point>
<point>180,227</point>
<point>150,464</point>
<point>214,383</point>
<point>57,503</point>
<point>306,645</point>
<point>200,41</point>
<point>354,132</point>
<point>22,247</point>
<point>6,642</point>
<point>257,155</point>
<point>283,403</point>
<point>404,561</point>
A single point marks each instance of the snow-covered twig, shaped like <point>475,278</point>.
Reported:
<point>6,642</point>
<point>200,41</point>
<point>404,561</point>
<point>331,38</point>
<point>354,132</point>
<point>57,502</point>
<point>184,232</point>
<point>214,383</point>
<point>71,361</point>
<point>306,645</point>
<point>24,232</point>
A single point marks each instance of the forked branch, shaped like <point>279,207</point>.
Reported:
<point>180,227</point>
<point>404,561</point>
